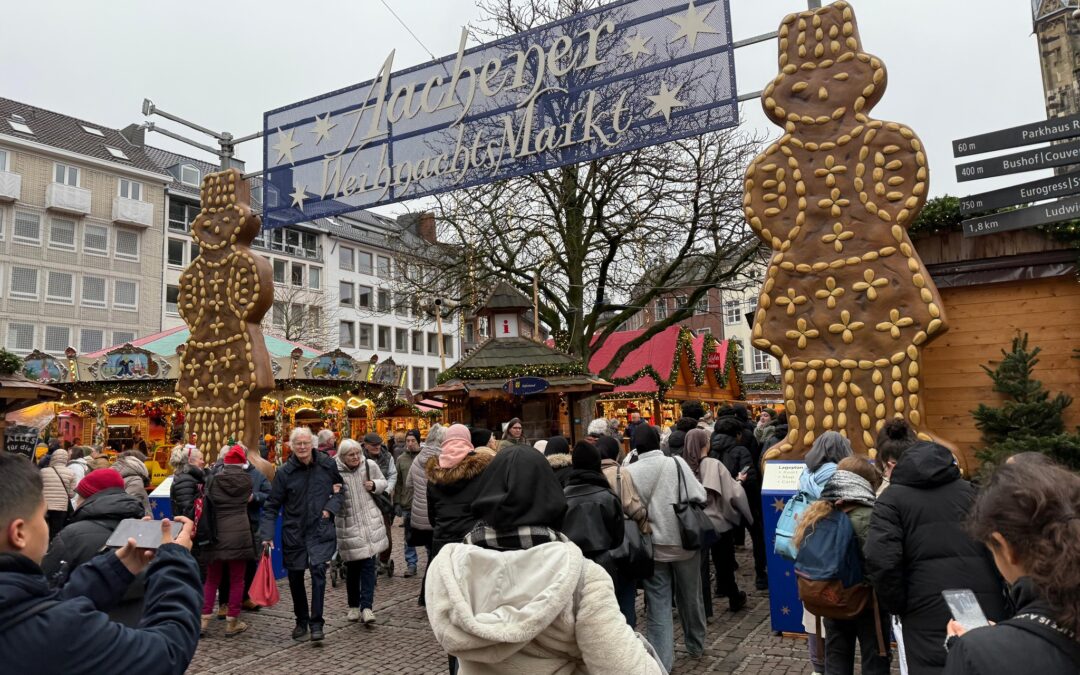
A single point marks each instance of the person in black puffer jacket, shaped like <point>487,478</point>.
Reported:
<point>917,547</point>
<point>557,452</point>
<point>103,503</point>
<point>738,459</point>
<point>187,482</point>
<point>594,515</point>
<point>452,487</point>
<point>1029,516</point>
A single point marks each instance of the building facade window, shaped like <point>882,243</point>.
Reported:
<point>182,215</point>
<point>702,306</point>
<point>62,234</point>
<point>190,175</point>
<point>448,346</point>
<point>122,337</point>
<point>4,160</point>
<point>176,250</point>
<point>315,278</point>
<point>66,174</point>
<point>24,283</point>
<point>345,294</point>
<point>346,334</point>
<point>384,339</point>
<point>277,316</point>
<point>127,245</point>
<point>95,239</point>
<point>661,309</point>
<point>363,297</point>
<point>384,300</point>
<point>433,344</point>
<point>363,262</point>
<point>432,378</point>
<point>27,228</point>
<point>363,335</point>
<point>762,361</point>
<point>732,312</point>
<point>125,294</point>
<point>91,340</point>
<point>130,189</point>
<point>60,287</point>
<point>401,340</point>
<point>418,342</point>
<point>57,339</point>
<point>297,275</point>
<point>172,300</point>
<point>417,379</point>
<point>383,269</point>
<point>20,337</point>
<point>93,291</point>
<point>279,271</point>
<point>345,259</point>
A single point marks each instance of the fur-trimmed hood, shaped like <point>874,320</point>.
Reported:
<point>560,461</point>
<point>470,467</point>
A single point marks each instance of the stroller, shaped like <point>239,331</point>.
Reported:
<point>337,570</point>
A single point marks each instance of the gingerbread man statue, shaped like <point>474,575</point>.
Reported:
<point>847,304</point>
<point>224,294</point>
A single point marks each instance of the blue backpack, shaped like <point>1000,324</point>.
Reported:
<point>829,569</point>
<point>785,526</point>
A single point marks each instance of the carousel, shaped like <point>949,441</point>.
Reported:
<point>672,366</point>
<point>124,397</point>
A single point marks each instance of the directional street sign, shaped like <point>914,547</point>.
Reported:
<point>1042,214</point>
<point>1045,188</point>
<point>1026,134</point>
<point>1028,160</point>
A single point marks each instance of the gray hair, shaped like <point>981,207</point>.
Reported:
<point>298,431</point>
<point>599,427</point>
<point>325,436</point>
<point>221,453</point>
<point>180,458</point>
<point>348,446</point>
<point>435,435</point>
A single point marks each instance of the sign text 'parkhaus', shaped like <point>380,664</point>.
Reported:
<point>620,77</point>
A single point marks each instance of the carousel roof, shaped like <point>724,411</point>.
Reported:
<point>658,353</point>
<point>166,342</point>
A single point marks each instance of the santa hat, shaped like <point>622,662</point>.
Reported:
<point>235,455</point>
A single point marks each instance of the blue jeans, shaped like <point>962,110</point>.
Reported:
<point>685,576</point>
<point>360,577</point>
<point>411,559</point>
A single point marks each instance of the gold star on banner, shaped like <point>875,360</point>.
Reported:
<point>664,101</point>
<point>635,46</point>
<point>692,24</point>
<point>299,194</point>
<point>322,128</point>
<point>778,504</point>
<point>285,145</point>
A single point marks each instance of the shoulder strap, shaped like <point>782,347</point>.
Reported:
<point>682,489</point>
<point>62,483</point>
<point>33,610</point>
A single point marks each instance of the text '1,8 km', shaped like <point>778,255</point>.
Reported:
<point>616,78</point>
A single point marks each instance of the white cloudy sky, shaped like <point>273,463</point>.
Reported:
<point>956,67</point>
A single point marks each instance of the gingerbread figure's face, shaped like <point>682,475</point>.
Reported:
<point>824,92</point>
<point>226,219</point>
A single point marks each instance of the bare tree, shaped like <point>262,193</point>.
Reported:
<point>300,314</point>
<point>606,237</point>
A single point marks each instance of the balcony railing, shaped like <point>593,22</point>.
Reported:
<point>132,212</point>
<point>67,198</point>
<point>315,254</point>
<point>10,186</point>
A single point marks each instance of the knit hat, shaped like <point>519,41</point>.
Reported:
<point>268,438</point>
<point>235,455</point>
<point>646,438</point>
<point>850,487</point>
<point>541,444</point>
<point>373,438</point>
<point>481,437</point>
<point>557,445</point>
<point>455,446</point>
<point>586,457</point>
<point>98,480</point>
<point>518,488</point>
<point>415,433</point>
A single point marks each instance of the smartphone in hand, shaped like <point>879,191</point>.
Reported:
<point>965,608</point>
<point>146,533</point>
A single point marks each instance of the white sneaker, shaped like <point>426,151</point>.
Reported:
<point>369,616</point>
<point>353,615</point>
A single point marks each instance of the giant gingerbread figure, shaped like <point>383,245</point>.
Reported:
<point>224,293</point>
<point>847,304</point>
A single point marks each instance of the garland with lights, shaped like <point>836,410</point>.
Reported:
<point>510,372</point>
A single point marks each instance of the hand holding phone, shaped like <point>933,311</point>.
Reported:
<point>965,608</point>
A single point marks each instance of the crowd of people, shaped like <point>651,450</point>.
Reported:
<point>537,554</point>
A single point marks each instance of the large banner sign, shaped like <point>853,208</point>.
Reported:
<point>623,76</point>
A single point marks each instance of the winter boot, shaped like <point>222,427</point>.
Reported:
<point>234,626</point>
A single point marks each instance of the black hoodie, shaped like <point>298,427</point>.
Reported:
<point>917,547</point>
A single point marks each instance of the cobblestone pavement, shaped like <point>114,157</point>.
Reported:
<point>401,642</point>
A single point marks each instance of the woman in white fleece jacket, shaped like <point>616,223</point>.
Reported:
<point>517,596</point>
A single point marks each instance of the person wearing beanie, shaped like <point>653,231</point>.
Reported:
<point>376,451</point>
<point>557,452</point>
<point>452,480</point>
<point>59,485</point>
<point>481,441</point>
<point>403,495</point>
<point>598,428</point>
<point>540,445</point>
<point>594,515</point>
<point>563,620</point>
<point>101,504</point>
<point>229,491</point>
<point>623,486</point>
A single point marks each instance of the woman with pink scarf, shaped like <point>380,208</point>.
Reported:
<point>452,486</point>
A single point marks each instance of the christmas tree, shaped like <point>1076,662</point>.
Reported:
<point>1030,421</point>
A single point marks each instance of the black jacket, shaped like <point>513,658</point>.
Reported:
<point>260,490</point>
<point>734,456</point>
<point>917,547</point>
<point>229,491</point>
<point>92,524</point>
<point>302,492</point>
<point>76,636</point>
<point>594,517</point>
<point>184,490</point>
<point>1022,644</point>
<point>450,494</point>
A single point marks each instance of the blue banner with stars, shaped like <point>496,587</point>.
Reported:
<point>620,77</point>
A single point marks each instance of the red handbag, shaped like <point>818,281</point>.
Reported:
<point>264,590</point>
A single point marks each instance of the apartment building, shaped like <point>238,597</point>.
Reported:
<point>371,315</point>
<point>81,222</point>
<point>738,306</point>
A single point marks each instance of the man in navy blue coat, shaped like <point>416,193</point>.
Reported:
<point>67,631</point>
<point>308,491</point>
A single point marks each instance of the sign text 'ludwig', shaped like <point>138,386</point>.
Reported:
<point>620,77</point>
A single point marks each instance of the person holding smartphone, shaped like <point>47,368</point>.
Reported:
<point>1029,516</point>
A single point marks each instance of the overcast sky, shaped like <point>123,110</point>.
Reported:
<point>956,67</point>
